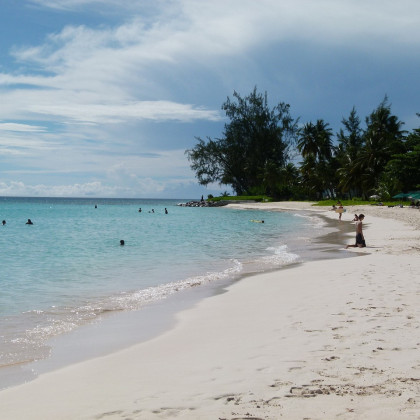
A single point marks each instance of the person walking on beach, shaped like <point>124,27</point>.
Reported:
<point>340,209</point>
<point>360,239</point>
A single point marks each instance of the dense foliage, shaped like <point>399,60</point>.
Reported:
<point>252,150</point>
<point>253,155</point>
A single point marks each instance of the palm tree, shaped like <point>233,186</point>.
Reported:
<point>323,138</point>
<point>350,177</point>
<point>382,139</point>
<point>290,175</point>
<point>318,168</point>
<point>310,177</point>
<point>350,141</point>
<point>350,144</point>
<point>307,144</point>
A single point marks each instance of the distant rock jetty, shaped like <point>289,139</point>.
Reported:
<point>204,204</point>
<point>220,203</point>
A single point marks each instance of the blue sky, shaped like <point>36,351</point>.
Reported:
<point>102,97</point>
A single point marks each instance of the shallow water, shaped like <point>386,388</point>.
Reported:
<point>68,268</point>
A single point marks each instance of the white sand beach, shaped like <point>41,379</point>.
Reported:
<point>331,339</point>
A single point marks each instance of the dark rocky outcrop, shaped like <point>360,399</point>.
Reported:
<point>204,204</point>
<point>220,203</point>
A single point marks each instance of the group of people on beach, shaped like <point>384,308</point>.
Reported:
<point>360,239</point>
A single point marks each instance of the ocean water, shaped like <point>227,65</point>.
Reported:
<point>68,268</point>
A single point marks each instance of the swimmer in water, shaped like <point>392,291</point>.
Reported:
<point>29,222</point>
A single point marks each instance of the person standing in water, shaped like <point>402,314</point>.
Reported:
<point>360,239</point>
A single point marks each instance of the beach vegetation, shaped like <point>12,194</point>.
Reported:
<point>265,152</point>
<point>403,167</point>
<point>257,198</point>
<point>358,201</point>
<point>252,150</point>
<point>319,166</point>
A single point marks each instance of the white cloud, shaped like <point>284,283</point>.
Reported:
<point>70,102</point>
<point>328,19</point>
<point>110,175</point>
<point>143,187</point>
<point>72,106</point>
<point>68,4</point>
<point>21,127</point>
<point>26,142</point>
<point>98,5</point>
<point>130,71</point>
<point>95,189</point>
<point>158,165</point>
<point>116,113</point>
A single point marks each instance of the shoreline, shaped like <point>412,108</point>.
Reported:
<point>108,334</point>
<point>115,331</point>
<point>318,340</point>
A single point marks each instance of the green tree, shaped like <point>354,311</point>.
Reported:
<point>310,177</point>
<point>404,168</point>
<point>350,143</point>
<point>307,141</point>
<point>290,175</point>
<point>319,164</point>
<point>254,145</point>
<point>350,140</point>
<point>382,139</point>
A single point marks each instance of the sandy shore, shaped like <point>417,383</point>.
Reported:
<point>388,237</point>
<point>322,340</point>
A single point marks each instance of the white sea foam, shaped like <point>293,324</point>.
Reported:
<point>281,256</point>
<point>137,299</point>
<point>57,321</point>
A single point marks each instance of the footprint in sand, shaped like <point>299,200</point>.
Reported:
<point>330,359</point>
<point>295,368</point>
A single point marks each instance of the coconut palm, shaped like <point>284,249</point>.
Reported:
<point>350,143</point>
<point>318,167</point>
<point>382,139</point>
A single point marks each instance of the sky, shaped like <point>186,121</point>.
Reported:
<point>101,98</point>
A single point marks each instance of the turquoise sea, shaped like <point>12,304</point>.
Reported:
<point>68,267</point>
